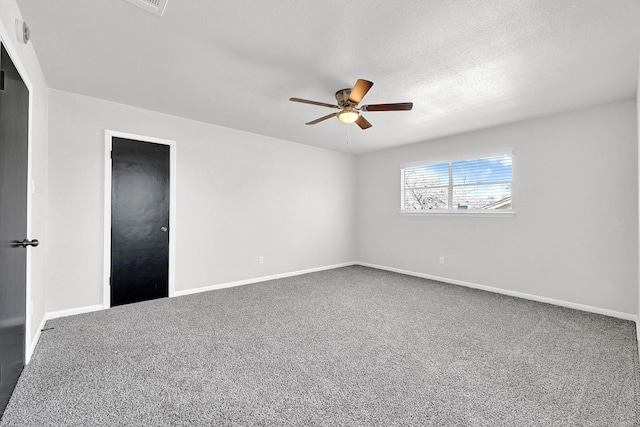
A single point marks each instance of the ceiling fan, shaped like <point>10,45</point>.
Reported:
<point>348,100</point>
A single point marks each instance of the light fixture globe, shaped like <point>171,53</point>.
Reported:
<point>348,115</point>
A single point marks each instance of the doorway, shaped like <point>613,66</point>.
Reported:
<point>14,178</point>
<point>139,218</point>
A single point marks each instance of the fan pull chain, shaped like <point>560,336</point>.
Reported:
<point>348,136</point>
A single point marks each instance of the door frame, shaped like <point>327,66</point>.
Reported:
<point>108,144</point>
<point>29,345</point>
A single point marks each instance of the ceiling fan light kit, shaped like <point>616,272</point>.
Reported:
<point>348,115</point>
<point>348,100</point>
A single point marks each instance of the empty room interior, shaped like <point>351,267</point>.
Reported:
<point>319,213</point>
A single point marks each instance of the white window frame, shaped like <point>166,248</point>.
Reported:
<point>450,211</point>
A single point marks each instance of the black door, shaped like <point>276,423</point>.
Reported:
<point>14,128</point>
<point>139,221</point>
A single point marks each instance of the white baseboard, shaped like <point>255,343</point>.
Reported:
<point>72,311</point>
<point>54,315</point>
<point>258,279</point>
<point>34,342</point>
<point>606,312</point>
<point>87,309</point>
<point>561,303</point>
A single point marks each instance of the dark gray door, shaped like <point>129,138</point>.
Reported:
<point>139,221</point>
<point>14,128</point>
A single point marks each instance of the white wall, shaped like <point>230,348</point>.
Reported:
<point>574,237</point>
<point>239,195</point>
<point>27,64</point>
<point>296,205</point>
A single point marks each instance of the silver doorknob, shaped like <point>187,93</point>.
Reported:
<point>27,242</point>
<point>163,228</point>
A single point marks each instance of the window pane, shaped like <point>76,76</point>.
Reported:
<point>478,184</point>
<point>427,176</point>
<point>425,198</point>
<point>489,169</point>
<point>487,196</point>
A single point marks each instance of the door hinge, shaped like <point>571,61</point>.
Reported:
<point>109,281</point>
<point>2,80</point>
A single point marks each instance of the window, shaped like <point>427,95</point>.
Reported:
<point>482,184</point>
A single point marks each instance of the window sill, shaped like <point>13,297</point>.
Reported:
<point>459,212</point>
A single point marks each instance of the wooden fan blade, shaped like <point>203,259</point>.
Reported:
<point>360,90</point>
<point>306,101</point>
<point>399,106</point>
<point>363,123</point>
<point>328,116</point>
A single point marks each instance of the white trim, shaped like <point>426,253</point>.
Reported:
<point>106,268</point>
<point>469,155</point>
<point>108,135</point>
<point>98,307</point>
<point>638,182</point>
<point>460,212</point>
<point>92,308</point>
<point>54,315</point>
<point>259,279</point>
<point>35,340</point>
<point>72,311</point>
<point>561,303</point>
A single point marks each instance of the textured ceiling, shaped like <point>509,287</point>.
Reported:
<point>465,64</point>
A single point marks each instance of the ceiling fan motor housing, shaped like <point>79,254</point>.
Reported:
<point>342,96</point>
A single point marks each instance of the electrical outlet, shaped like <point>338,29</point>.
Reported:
<point>441,260</point>
<point>261,259</point>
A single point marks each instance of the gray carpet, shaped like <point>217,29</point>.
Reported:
<point>351,346</point>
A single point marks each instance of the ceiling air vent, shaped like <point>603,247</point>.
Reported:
<point>154,6</point>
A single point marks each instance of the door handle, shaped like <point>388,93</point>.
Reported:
<point>27,242</point>
<point>163,228</point>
